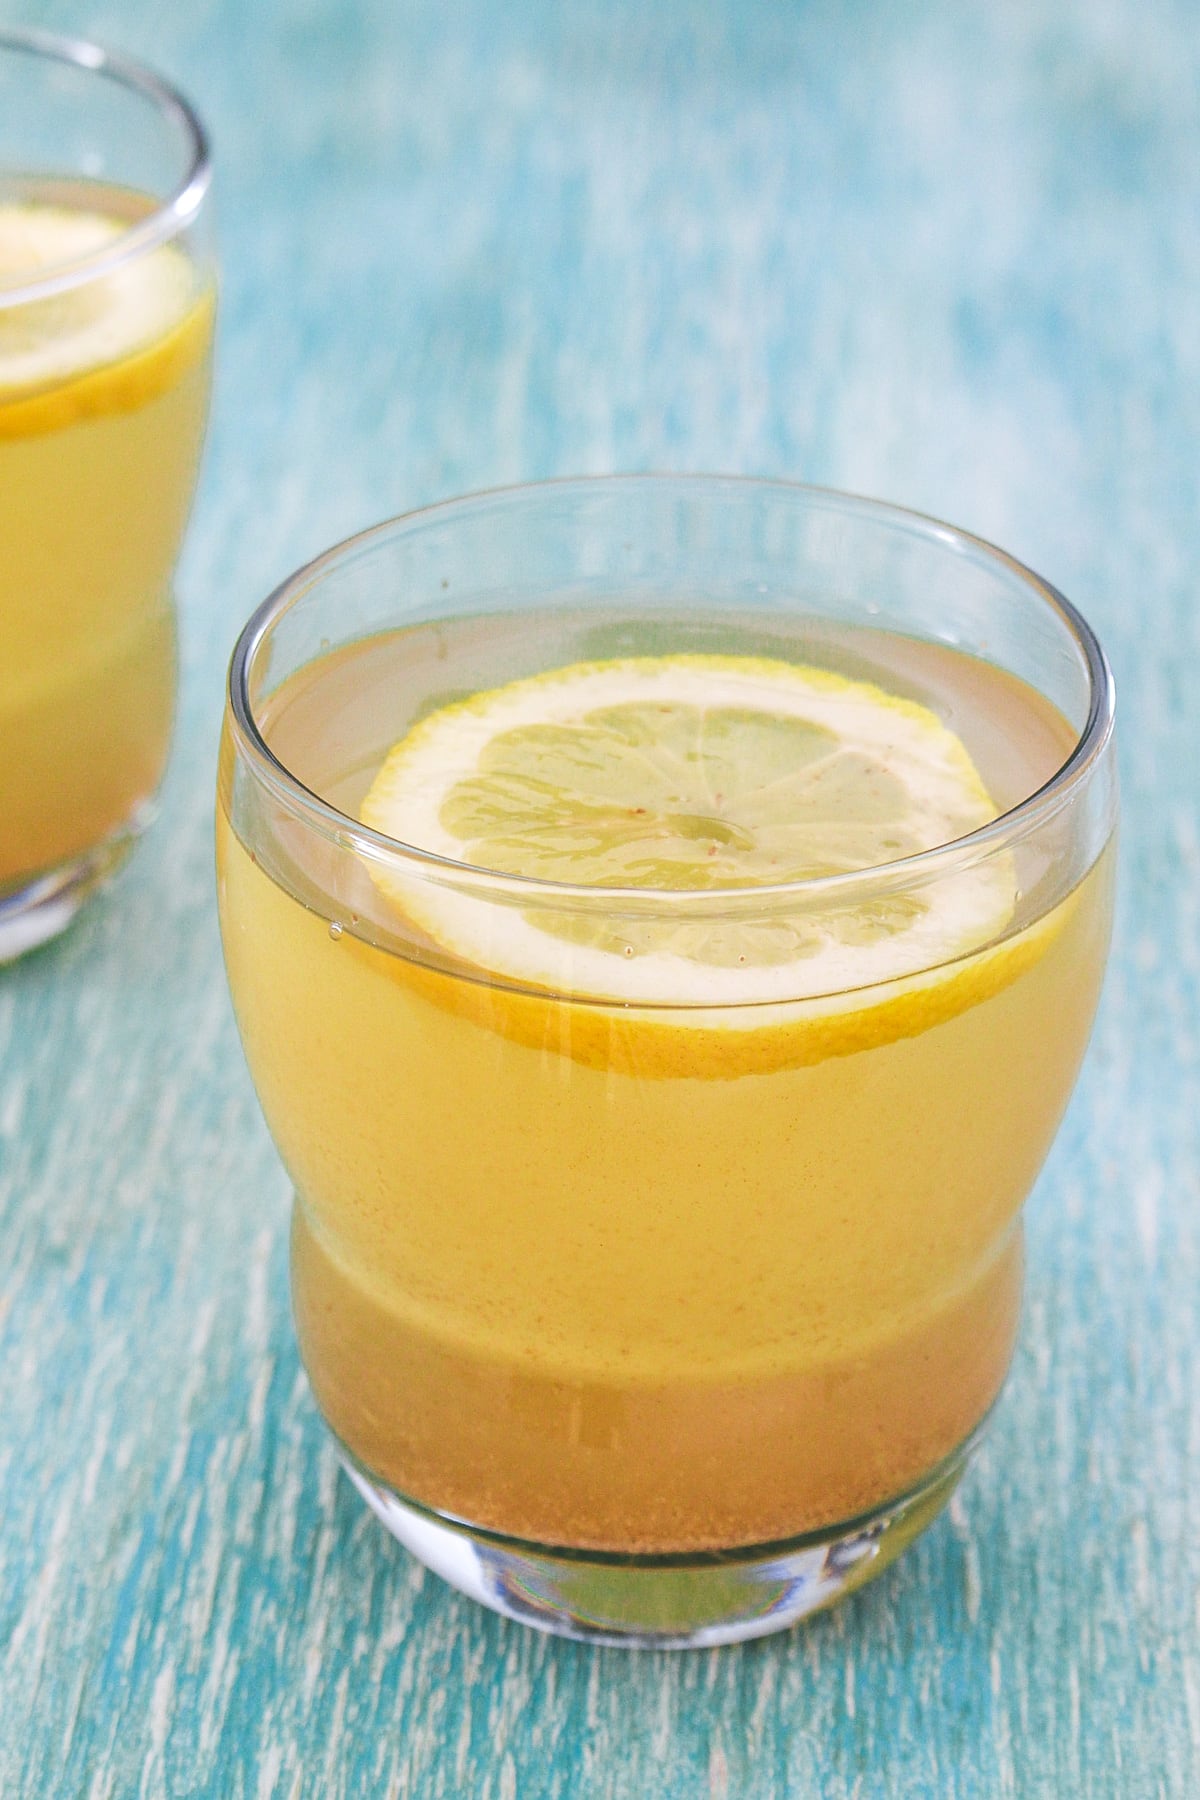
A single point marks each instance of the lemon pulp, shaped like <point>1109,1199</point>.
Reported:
<point>687,775</point>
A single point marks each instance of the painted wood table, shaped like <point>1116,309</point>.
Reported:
<point>947,255</point>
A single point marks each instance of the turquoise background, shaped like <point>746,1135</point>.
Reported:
<point>944,254</point>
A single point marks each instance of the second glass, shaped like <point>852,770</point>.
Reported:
<point>106,322</point>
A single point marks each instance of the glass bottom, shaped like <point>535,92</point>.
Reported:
<point>34,912</point>
<point>666,1602</point>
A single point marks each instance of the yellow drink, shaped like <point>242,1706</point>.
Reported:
<point>632,1278</point>
<point>103,399</point>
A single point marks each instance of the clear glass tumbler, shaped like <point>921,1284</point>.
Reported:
<point>660,1319</point>
<point>106,320</point>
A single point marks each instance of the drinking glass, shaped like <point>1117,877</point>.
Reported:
<point>651,1322</point>
<point>106,318</point>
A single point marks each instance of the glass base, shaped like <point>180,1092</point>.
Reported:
<point>667,1602</point>
<point>39,909</point>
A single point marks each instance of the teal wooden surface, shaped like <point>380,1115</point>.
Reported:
<point>943,254</point>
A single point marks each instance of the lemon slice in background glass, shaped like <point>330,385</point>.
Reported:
<point>45,342</point>
<point>683,775</point>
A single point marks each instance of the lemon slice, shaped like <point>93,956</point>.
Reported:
<point>46,342</point>
<point>684,776</point>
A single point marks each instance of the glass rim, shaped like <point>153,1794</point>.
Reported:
<point>170,216</point>
<point>1003,833</point>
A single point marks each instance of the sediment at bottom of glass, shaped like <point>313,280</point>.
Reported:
<point>668,1601</point>
<point>35,911</point>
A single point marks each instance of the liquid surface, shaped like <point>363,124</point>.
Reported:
<point>643,1279</point>
<point>103,399</point>
<point>333,722</point>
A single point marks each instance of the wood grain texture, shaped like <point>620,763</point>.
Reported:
<point>943,254</point>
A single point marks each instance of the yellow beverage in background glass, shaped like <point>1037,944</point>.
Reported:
<point>106,325</point>
<point>103,400</point>
<point>663,979</point>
